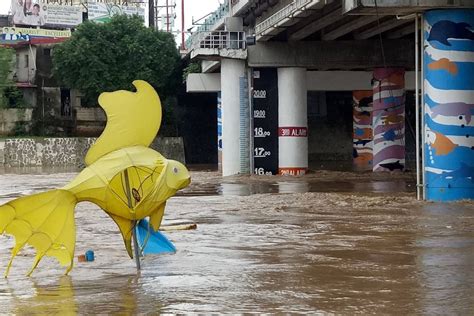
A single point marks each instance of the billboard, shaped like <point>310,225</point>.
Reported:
<point>35,13</point>
<point>102,12</point>
<point>25,34</point>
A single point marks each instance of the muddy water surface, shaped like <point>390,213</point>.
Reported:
<point>332,242</point>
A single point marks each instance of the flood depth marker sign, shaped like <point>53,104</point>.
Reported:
<point>265,121</point>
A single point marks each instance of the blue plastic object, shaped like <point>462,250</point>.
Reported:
<point>89,255</point>
<point>151,242</point>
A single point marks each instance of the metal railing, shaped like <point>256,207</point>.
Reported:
<point>219,40</point>
<point>280,15</point>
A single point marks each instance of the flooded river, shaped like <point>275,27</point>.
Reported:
<point>328,242</point>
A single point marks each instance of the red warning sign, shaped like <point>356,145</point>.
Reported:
<point>293,131</point>
<point>292,171</point>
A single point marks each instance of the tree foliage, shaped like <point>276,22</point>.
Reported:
<point>194,67</point>
<point>6,63</point>
<point>109,56</point>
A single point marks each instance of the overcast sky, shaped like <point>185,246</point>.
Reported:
<point>193,8</point>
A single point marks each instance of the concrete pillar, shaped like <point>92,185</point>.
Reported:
<point>389,119</point>
<point>449,104</point>
<point>362,130</point>
<point>292,121</point>
<point>235,117</point>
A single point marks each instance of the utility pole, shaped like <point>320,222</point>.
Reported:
<point>182,25</point>
<point>151,13</point>
<point>167,17</point>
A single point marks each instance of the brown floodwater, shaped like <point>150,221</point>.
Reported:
<point>328,242</point>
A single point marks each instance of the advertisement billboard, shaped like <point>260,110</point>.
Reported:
<point>102,12</point>
<point>25,34</point>
<point>35,13</point>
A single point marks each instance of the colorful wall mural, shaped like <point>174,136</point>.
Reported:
<point>449,104</point>
<point>219,131</point>
<point>362,130</point>
<point>388,119</point>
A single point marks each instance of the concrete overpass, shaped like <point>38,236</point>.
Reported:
<point>265,55</point>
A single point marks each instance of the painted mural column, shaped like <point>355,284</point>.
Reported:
<point>388,119</point>
<point>219,131</point>
<point>292,121</point>
<point>235,118</point>
<point>449,104</point>
<point>362,130</point>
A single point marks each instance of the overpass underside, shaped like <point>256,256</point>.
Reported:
<point>371,53</point>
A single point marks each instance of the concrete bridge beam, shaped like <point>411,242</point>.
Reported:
<point>324,55</point>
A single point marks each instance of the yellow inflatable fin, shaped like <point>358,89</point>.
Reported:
<point>157,216</point>
<point>126,229</point>
<point>44,221</point>
<point>133,119</point>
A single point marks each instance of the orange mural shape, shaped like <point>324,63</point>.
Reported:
<point>395,79</point>
<point>443,145</point>
<point>363,159</point>
<point>444,64</point>
<point>360,94</point>
<point>393,119</point>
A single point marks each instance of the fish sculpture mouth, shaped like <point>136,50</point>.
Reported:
<point>186,183</point>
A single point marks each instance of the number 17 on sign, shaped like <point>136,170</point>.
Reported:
<point>261,152</point>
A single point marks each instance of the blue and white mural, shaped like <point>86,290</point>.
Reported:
<point>449,104</point>
<point>219,130</point>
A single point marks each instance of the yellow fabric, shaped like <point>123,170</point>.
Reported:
<point>124,177</point>
<point>133,118</point>
<point>157,216</point>
<point>44,221</point>
<point>153,178</point>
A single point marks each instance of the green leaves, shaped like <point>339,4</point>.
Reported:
<point>6,63</point>
<point>109,56</point>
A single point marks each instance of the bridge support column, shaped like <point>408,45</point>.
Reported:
<point>362,130</point>
<point>449,104</point>
<point>235,118</point>
<point>292,121</point>
<point>388,119</point>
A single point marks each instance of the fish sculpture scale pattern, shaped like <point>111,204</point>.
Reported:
<point>125,178</point>
<point>449,104</point>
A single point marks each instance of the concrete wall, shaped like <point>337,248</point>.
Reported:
<point>90,121</point>
<point>51,152</point>
<point>26,64</point>
<point>329,129</point>
<point>10,117</point>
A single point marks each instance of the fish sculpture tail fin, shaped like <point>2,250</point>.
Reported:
<point>44,221</point>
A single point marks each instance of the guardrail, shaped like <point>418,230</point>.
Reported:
<point>219,40</point>
<point>280,15</point>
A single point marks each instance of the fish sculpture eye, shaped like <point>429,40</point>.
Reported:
<point>175,169</point>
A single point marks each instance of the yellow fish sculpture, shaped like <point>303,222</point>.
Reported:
<point>124,177</point>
